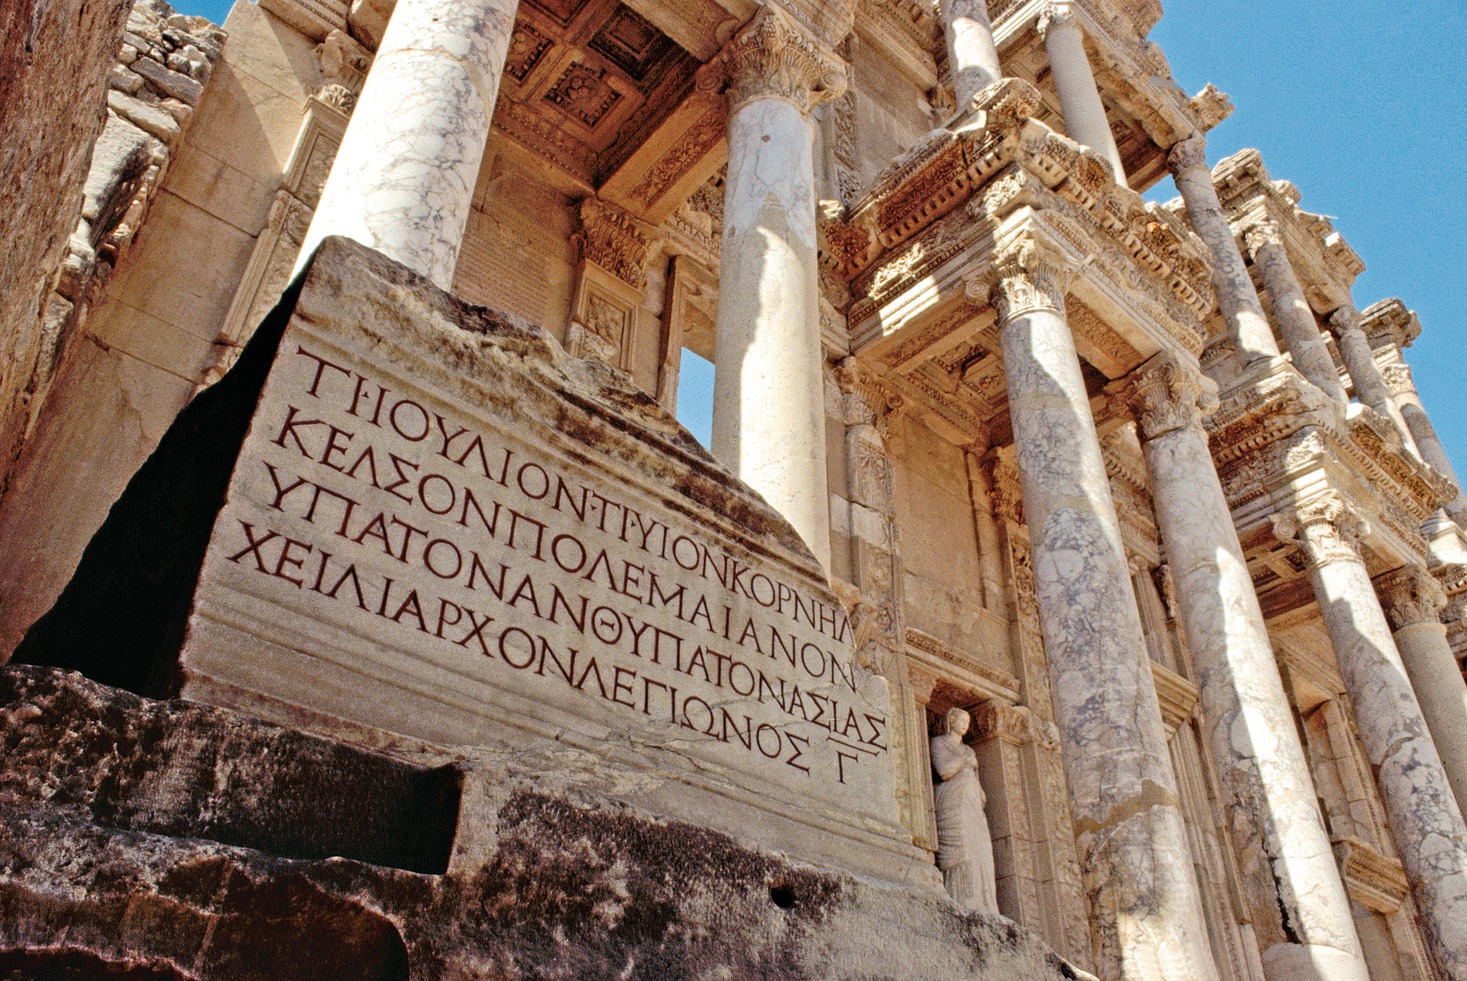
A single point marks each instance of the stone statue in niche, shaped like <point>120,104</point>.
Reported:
<point>964,844</point>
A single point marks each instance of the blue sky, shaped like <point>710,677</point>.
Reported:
<point>1364,106</point>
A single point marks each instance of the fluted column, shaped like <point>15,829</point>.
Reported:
<point>768,384</point>
<point>1138,874</point>
<point>1423,813</point>
<point>1413,599</point>
<point>1248,328</point>
<point>971,54</point>
<point>1292,311</point>
<point>1074,83</point>
<point>1370,384</point>
<point>1428,443</point>
<point>1303,920</point>
<point>403,180</point>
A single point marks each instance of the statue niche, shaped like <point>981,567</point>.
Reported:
<point>964,843</point>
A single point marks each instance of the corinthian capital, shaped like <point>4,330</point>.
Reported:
<point>1166,395</point>
<point>1344,320</point>
<point>1022,280</point>
<point>1057,14</point>
<point>1410,595</point>
<point>1326,530</point>
<point>1262,235</point>
<point>1188,154</point>
<point>774,57</point>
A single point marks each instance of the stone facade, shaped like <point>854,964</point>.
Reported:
<point>1139,486</point>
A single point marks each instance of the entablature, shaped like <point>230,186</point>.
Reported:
<point>1323,261</point>
<point>1148,112</point>
<point>1389,322</point>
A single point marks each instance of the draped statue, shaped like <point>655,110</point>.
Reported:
<point>964,844</point>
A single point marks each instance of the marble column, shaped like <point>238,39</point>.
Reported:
<point>1413,599</point>
<point>1248,328</point>
<point>1144,899</point>
<point>1292,311</point>
<point>1370,384</point>
<point>768,383</point>
<point>971,54</point>
<point>1074,82</point>
<point>403,180</point>
<point>1301,912</point>
<point>1428,444</point>
<point>1420,807</point>
<point>1304,924</point>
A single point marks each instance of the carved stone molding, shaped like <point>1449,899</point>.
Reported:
<point>612,239</point>
<point>1326,529</point>
<point>1023,280</point>
<point>1410,595</point>
<point>774,57</point>
<point>1374,881</point>
<point>1166,395</point>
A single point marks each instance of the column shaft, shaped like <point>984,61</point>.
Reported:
<point>1144,899</point>
<point>1429,444</point>
<point>403,180</point>
<point>1412,598</point>
<point>1423,813</point>
<point>971,54</point>
<point>768,385</point>
<point>1301,911</point>
<point>1370,384</point>
<point>1074,83</point>
<point>1247,326</point>
<point>1291,310</point>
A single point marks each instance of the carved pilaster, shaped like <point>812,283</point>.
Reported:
<point>1326,529</point>
<point>774,58</point>
<point>344,65</point>
<point>611,238</point>
<point>1166,395</point>
<point>1023,280</point>
<point>1410,595</point>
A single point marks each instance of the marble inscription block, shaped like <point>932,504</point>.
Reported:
<point>439,524</point>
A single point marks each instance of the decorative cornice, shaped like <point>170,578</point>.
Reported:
<point>1410,595</point>
<point>612,239</point>
<point>1166,395</point>
<point>774,58</point>
<point>1326,529</point>
<point>1391,319</point>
